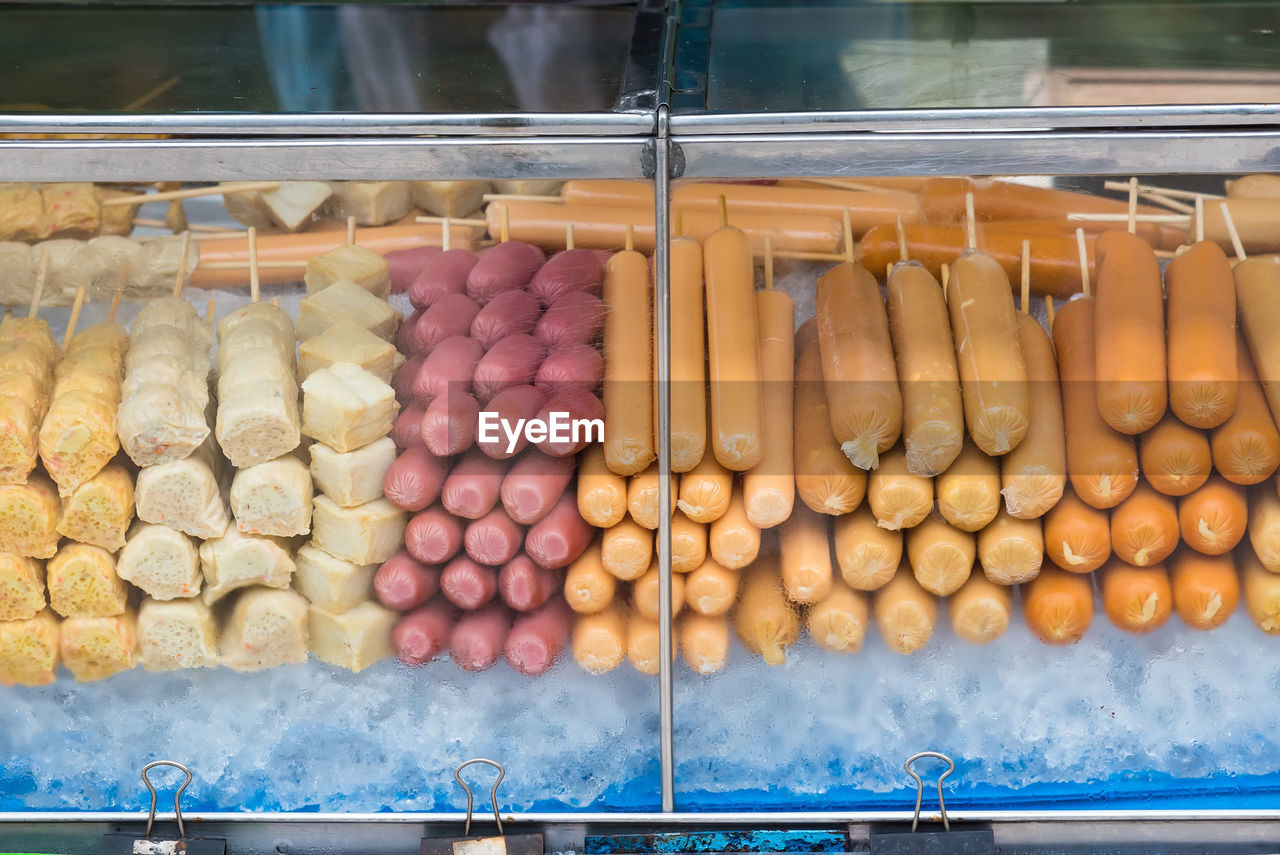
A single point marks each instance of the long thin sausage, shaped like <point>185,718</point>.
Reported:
<point>1261,593</point>
<point>805,547</point>
<point>1264,525</point>
<point>628,364</point>
<point>600,639</point>
<point>733,350</point>
<point>1130,344</point>
<point>825,478</point>
<point>1202,336</point>
<point>839,621</point>
<point>1011,550</point>
<point>704,641</point>
<point>711,589</point>
<point>688,356</point>
<point>769,489</point>
<point>705,491</point>
<point>1246,447</point>
<point>1033,475</point>
<point>644,593</point>
<point>733,539</point>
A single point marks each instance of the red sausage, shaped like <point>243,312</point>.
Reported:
<point>403,583</point>
<point>512,405</point>
<point>448,424</point>
<point>453,361</point>
<point>433,536</point>
<point>468,585</point>
<point>566,272</point>
<point>525,586</point>
<point>406,375</point>
<point>471,490</point>
<point>513,361</point>
<point>559,537</point>
<point>579,365</point>
<point>579,404</point>
<point>422,634</point>
<point>534,484</point>
<point>505,267</point>
<point>406,335</point>
<point>476,641</point>
<point>444,274</point>
<point>493,539</point>
<point>451,315</point>
<point>509,313</point>
<point>404,265</point>
<point>575,318</point>
<point>407,430</point>
<point>414,480</point>
<point>537,639</point>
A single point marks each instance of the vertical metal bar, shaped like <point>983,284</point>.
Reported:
<point>662,343</point>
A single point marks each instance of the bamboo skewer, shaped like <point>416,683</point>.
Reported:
<point>42,273</point>
<point>970,223</point>
<point>1160,191</point>
<point>1084,263</point>
<point>210,315</point>
<point>115,305</point>
<point>262,265</point>
<point>516,197</point>
<point>903,255</point>
<point>1199,219</point>
<point>351,230</point>
<point>1175,219</point>
<point>1026,277</point>
<point>457,221</point>
<point>848,236</point>
<point>194,193</point>
<point>504,234</point>
<point>180,278</point>
<point>631,238</point>
<point>446,238</point>
<point>1172,205</point>
<point>724,212</point>
<point>254,289</point>
<point>1048,308</point>
<point>1133,206</point>
<point>946,276</point>
<point>76,306</point>
<point>568,236</point>
<point>1236,243</point>
<point>768,264</point>
<point>221,231</point>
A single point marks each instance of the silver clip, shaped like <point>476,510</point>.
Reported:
<point>942,805</point>
<point>493,793</point>
<point>177,797</point>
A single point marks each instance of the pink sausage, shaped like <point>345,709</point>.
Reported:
<point>471,490</point>
<point>444,274</point>
<point>505,267</point>
<point>476,641</point>
<point>534,485</point>
<point>579,404</point>
<point>406,335</point>
<point>403,583</point>
<point>404,265</point>
<point>449,316</point>
<point>433,536</point>
<point>449,423</point>
<point>493,539</point>
<point>407,429</point>
<point>509,313</point>
<point>450,365</point>
<point>414,480</point>
<point>513,361</point>
<point>571,270</point>
<point>468,585</point>
<point>559,537</point>
<point>575,318</point>
<point>406,375</point>
<point>422,634</point>
<point>525,586</point>
<point>512,405</point>
<point>574,365</point>
<point>537,639</point>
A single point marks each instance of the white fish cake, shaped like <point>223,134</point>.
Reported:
<point>29,650</point>
<point>254,428</point>
<point>17,273</point>
<point>255,333</point>
<point>161,561</point>
<point>237,560</point>
<point>354,639</point>
<point>156,267</point>
<point>100,510</point>
<point>354,477</point>
<point>345,300</point>
<point>449,198</point>
<point>347,342</point>
<point>29,518</point>
<point>111,261</point>
<point>67,270</point>
<point>266,628</point>
<point>79,437</point>
<point>94,648</point>
<point>331,583</point>
<point>254,370</point>
<point>166,341</point>
<point>159,423</point>
<point>184,495</point>
<point>368,534</point>
<point>21,587</point>
<point>358,265</point>
<point>273,498</point>
<point>256,311</point>
<point>174,312</point>
<point>83,582</point>
<point>293,204</point>
<point>346,407</point>
<point>372,203</point>
<point>176,634</point>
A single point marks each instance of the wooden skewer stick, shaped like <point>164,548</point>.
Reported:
<point>844,184</point>
<point>802,255</point>
<point>1200,218</point>
<point>1171,204</point>
<point>1133,206</point>
<point>1175,219</point>
<point>457,221</point>
<point>1048,308</point>
<point>1161,191</point>
<point>848,236</point>
<point>1084,263</point>
<point>516,197</point>
<point>351,229</point>
<point>505,233</point>
<point>1026,277</point>
<point>254,290</point>
<point>970,222</point>
<point>724,212</point>
<point>903,255</point>
<point>1180,251</point>
<point>76,306</point>
<point>180,278</point>
<point>768,263</point>
<point>679,223</point>
<point>568,236</point>
<point>221,231</point>
<point>42,273</point>
<point>268,264</point>
<point>115,305</point>
<point>946,276</point>
<point>446,237</point>
<point>194,193</point>
<point>1231,230</point>
<point>1166,253</point>
<point>631,238</point>
<point>211,315</point>
<point>888,273</point>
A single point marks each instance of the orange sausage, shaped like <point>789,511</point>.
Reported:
<point>804,542</point>
<point>867,554</point>
<point>1033,475</point>
<point>1144,528</point>
<point>1136,599</point>
<point>628,364</point>
<point>1264,525</point>
<point>769,490</point>
<point>1058,606</point>
<point>857,364</point>
<point>1246,447</point>
<point>1254,218</point>
<point>1102,464</point>
<point>1130,342</point>
<point>767,624</point>
<point>1259,186</point>
<point>1258,302</point>
<point>711,589</point>
<point>1202,336</point>
<point>825,479</point>
<point>1213,519</point>
<point>839,621</point>
<point>733,350</point>
<point>1077,537</point>
<point>1175,458</point>
<point>688,357</point>
<point>1206,589</point>
<point>905,612</point>
<point>980,610</point>
<point>704,641</point>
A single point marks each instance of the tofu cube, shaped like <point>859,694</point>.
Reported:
<point>449,198</point>
<point>266,628</point>
<point>354,639</point>
<point>347,342</point>
<point>237,560</point>
<point>176,634</point>
<point>21,587</point>
<point>21,212</point>
<point>331,583</point>
<point>29,650</point>
<point>71,209</point>
<point>184,495</point>
<point>162,562</point>
<point>83,582</point>
<point>346,301</point>
<point>257,425</point>
<point>117,220</point>
<point>248,208</point>
<point>273,498</point>
<point>372,203</point>
<point>346,407</point>
<point>368,534</point>
<point>94,648</point>
<point>354,477</point>
<point>293,204</point>
<point>29,518</point>
<point>364,267</point>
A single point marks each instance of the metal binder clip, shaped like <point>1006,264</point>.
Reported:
<point>131,844</point>
<point>503,844</point>
<point>968,841</point>
<point>177,797</point>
